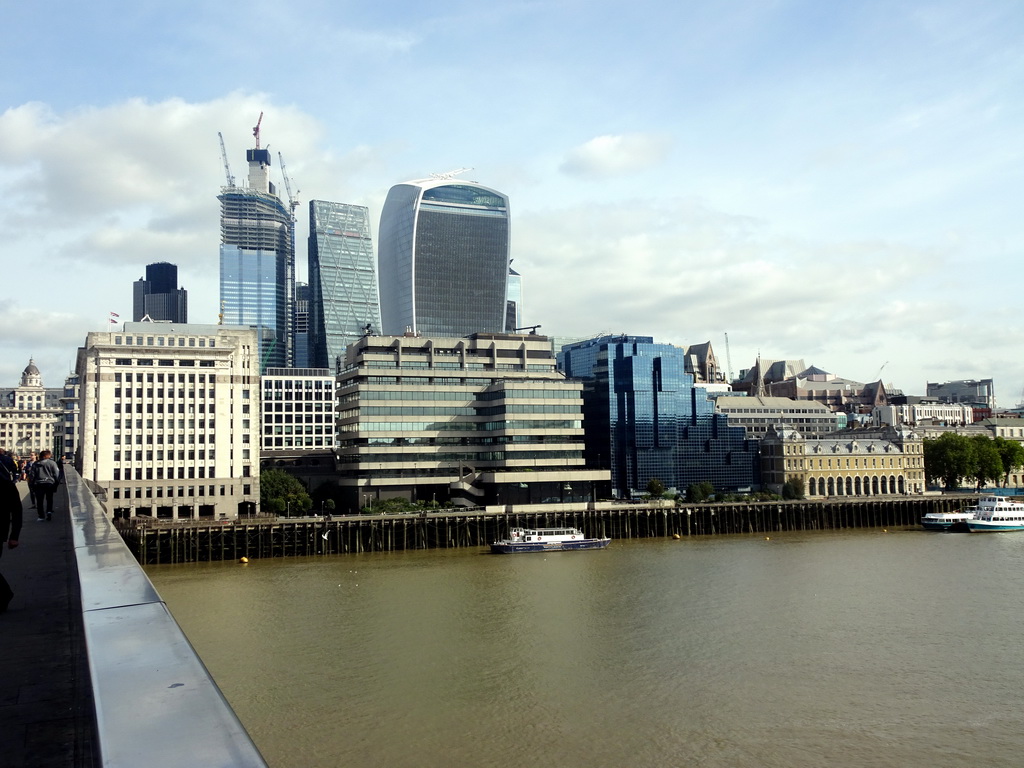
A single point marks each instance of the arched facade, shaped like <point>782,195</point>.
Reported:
<point>858,462</point>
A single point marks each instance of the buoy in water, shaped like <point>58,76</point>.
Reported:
<point>676,536</point>
<point>243,559</point>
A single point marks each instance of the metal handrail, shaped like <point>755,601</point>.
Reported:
<point>156,704</point>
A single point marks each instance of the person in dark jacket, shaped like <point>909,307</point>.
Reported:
<point>46,474</point>
<point>10,518</point>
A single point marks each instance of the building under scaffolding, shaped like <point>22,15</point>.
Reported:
<point>257,260</point>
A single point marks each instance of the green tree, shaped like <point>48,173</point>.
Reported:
<point>1012,454</point>
<point>949,458</point>
<point>793,488</point>
<point>282,492</point>
<point>655,488</point>
<point>988,464</point>
<point>697,492</point>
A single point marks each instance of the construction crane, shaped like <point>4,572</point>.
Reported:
<point>293,200</point>
<point>224,157</point>
<point>878,376</point>
<point>256,130</point>
<point>728,358</point>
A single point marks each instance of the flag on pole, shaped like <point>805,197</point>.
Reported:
<point>114,314</point>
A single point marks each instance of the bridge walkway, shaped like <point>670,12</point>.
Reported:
<point>46,706</point>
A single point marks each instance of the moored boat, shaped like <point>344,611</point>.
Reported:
<point>997,513</point>
<point>546,540</point>
<point>945,521</point>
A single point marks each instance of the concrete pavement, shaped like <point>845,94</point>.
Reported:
<point>46,709</point>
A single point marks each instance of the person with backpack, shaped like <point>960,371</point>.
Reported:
<point>10,517</point>
<point>45,476</point>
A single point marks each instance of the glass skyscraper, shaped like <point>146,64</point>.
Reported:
<point>257,261</point>
<point>644,418</point>
<point>301,325</point>
<point>514,302</point>
<point>342,280</point>
<point>158,297</point>
<point>444,258</point>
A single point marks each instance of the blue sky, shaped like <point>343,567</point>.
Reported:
<point>836,182</point>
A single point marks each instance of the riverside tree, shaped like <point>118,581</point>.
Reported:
<point>1012,454</point>
<point>951,458</point>
<point>281,492</point>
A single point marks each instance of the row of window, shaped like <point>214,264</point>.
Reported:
<point>161,378</point>
<point>160,423</point>
<point>164,362</point>
<point>183,491</point>
<point>457,426</point>
<point>406,458</point>
<point>170,341</point>
<point>161,393</point>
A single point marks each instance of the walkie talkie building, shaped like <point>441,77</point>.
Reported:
<point>443,258</point>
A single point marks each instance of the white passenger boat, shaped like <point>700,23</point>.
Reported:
<point>944,521</point>
<point>546,540</point>
<point>997,513</point>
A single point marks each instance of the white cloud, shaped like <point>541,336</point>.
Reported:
<point>607,156</point>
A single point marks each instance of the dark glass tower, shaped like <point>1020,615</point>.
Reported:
<point>443,258</point>
<point>644,418</point>
<point>342,280</point>
<point>302,325</point>
<point>158,297</point>
<point>257,261</point>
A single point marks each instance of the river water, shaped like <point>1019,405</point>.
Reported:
<point>861,648</point>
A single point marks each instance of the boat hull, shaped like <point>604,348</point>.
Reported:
<point>945,522</point>
<point>515,547</point>
<point>994,526</point>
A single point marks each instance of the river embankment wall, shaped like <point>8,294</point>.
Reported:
<point>163,542</point>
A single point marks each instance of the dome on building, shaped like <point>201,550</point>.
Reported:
<point>31,377</point>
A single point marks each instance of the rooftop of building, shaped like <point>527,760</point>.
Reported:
<point>778,403</point>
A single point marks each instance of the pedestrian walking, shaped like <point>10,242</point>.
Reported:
<point>26,475</point>
<point>10,518</point>
<point>46,474</point>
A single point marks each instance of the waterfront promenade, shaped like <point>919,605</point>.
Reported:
<point>46,706</point>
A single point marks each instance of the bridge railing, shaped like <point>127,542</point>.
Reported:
<point>156,704</point>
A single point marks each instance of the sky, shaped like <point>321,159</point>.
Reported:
<point>832,182</point>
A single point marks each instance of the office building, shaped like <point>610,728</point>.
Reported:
<point>30,415</point>
<point>471,421</point>
<point>645,419</point>
<point>257,261</point>
<point>514,302</point>
<point>70,425</point>
<point>301,350</point>
<point>860,462</point>
<point>444,259</point>
<point>157,295</point>
<point>170,419</point>
<point>342,280</point>
<point>297,410</point>
<point>971,391</point>
<point>759,414</point>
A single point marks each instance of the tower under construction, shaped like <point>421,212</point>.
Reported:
<point>257,258</point>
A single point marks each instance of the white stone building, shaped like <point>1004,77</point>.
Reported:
<point>169,419</point>
<point>30,415</point>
